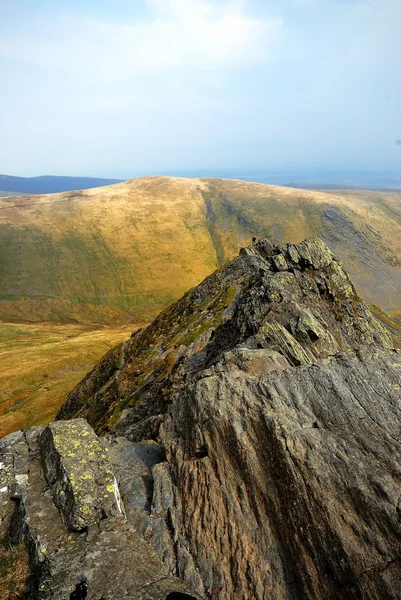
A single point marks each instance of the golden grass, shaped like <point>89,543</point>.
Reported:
<point>41,363</point>
<point>14,572</point>
<point>108,255</point>
<point>124,252</point>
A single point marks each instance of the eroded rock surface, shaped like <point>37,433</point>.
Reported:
<point>56,486</point>
<point>274,397</point>
<point>254,433</point>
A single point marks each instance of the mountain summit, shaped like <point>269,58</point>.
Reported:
<point>253,433</point>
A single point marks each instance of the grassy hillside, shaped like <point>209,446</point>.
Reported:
<point>392,325</point>
<point>123,252</point>
<point>41,363</point>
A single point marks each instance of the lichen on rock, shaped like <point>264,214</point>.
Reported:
<point>78,470</point>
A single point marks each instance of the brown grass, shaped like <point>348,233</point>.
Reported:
<point>14,572</point>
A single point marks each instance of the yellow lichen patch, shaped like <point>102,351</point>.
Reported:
<point>278,338</point>
<point>84,482</point>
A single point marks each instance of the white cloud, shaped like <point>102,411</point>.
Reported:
<point>183,34</point>
<point>96,96</point>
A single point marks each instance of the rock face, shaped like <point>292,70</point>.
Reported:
<point>57,480</point>
<point>254,434</point>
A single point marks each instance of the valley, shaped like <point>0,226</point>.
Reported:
<point>41,363</point>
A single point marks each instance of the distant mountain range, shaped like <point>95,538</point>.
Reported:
<point>312,179</point>
<point>123,252</point>
<point>49,184</point>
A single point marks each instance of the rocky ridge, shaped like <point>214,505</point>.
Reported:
<point>249,447</point>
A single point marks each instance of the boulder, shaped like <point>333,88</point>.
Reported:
<point>77,468</point>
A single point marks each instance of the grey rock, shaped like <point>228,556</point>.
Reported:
<point>258,452</point>
<point>301,474</point>
<point>315,253</point>
<point>113,557</point>
<point>151,504</point>
<point>77,468</point>
<point>132,464</point>
<point>279,262</point>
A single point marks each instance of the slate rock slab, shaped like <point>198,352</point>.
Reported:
<point>78,470</point>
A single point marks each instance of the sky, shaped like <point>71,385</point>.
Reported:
<point>132,87</point>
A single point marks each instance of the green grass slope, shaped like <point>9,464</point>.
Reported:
<point>123,252</point>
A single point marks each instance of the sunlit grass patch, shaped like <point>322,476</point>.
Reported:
<point>41,363</point>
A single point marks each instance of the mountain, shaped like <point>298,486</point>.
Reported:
<point>249,449</point>
<point>124,252</point>
<point>48,184</point>
<point>312,185</point>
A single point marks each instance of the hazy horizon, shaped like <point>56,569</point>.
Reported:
<point>227,172</point>
<point>318,179</point>
<point>157,86</point>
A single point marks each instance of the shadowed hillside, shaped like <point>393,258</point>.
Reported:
<point>123,252</point>
<point>48,184</point>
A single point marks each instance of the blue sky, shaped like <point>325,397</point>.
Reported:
<point>124,88</point>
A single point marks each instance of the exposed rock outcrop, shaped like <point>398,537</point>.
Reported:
<point>254,434</point>
<point>60,495</point>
